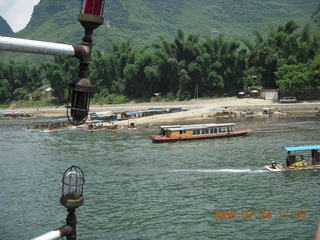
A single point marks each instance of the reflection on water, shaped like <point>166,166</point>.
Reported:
<point>139,190</point>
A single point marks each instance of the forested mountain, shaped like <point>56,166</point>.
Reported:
<point>5,29</point>
<point>145,20</point>
<point>315,18</point>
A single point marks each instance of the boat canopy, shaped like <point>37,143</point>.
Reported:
<point>195,126</point>
<point>302,148</point>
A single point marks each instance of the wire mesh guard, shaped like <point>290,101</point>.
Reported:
<point>72,187</point>
<point>77,112</point>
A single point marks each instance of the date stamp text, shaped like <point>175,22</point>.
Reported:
<point>262,215</point>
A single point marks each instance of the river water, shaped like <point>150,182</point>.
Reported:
<point>136,189</point>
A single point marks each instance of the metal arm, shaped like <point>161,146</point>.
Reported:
<point>41,47</point>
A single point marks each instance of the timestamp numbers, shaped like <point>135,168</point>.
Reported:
<point>250,214</point>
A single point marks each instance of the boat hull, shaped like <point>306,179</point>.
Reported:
<point>281,168</point>
<point>162,139</point>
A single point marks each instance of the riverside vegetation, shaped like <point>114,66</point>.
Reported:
<point>288,57</point>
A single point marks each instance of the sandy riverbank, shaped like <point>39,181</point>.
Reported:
<point>196,109</point>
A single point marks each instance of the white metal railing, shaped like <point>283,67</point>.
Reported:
<point>57,233</point>
<point>38,47</point>
<point>49,236</point>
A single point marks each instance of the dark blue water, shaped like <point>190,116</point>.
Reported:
<point>139,190</point>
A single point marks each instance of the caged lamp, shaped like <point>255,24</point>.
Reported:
<point>72,197</point>
<point>80,89</point>
<point>72,188</point>
<point>79,99</point>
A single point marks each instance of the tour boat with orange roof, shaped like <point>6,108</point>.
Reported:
<point>197,131</point>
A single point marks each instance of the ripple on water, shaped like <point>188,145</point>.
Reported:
<point>139,190</point>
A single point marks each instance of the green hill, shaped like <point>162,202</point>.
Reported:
<point>144,21</point>
<point>5,29</point>
<point>315,18</point>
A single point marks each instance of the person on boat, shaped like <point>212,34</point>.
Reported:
<point>317,156</point>
<point>303,162</point>
<point>291,159</point>
<point>314,156</point>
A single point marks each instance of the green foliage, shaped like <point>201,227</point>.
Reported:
<point>20,94</point>
<point>4,105</point>
<point>315,18</point>
<point>36,95</point>
<point>110,99</point>
<point>39,103</point>
<point>5,93</point>
<point>189,66</point>
<point>60,73</point>
<point>21,81</point>
<point>315,71</point>
<point>294,78</point>
<point>17,81</point>
<point>279,50</point>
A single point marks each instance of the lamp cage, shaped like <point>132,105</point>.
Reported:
<point>72,187</point>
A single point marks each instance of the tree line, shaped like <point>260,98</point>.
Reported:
<point>188,67</point>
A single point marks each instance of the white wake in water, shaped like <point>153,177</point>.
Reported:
<point>219,170</point>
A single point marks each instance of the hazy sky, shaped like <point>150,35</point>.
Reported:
<point>17,12</point>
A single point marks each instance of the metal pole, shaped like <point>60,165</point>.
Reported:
<point>72,222</point>
<point>38,47</point>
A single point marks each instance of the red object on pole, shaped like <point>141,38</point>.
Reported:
<point>88,7</point>
<point>97,8</point>
<point>93,7</point>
